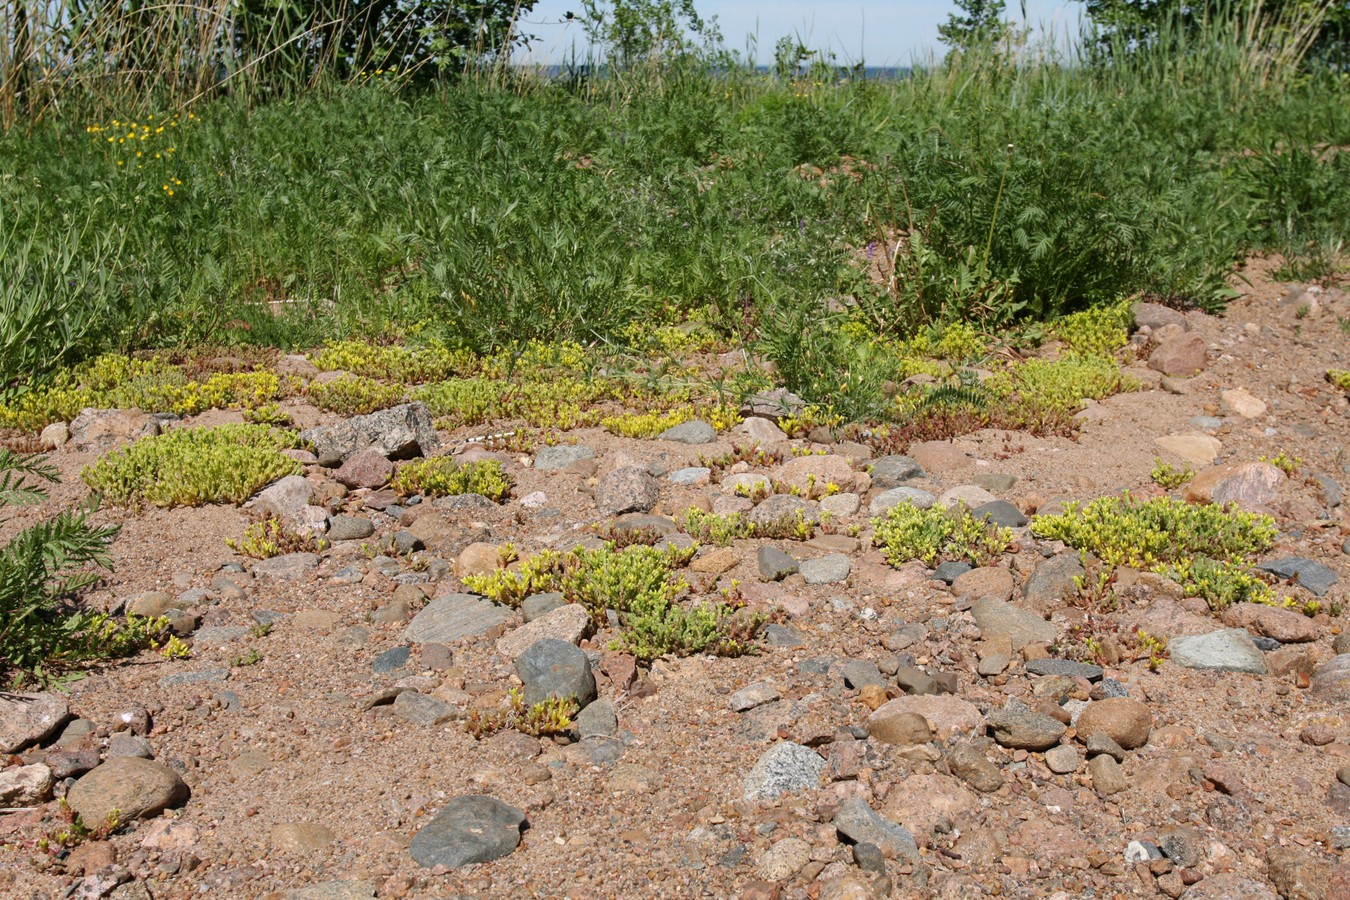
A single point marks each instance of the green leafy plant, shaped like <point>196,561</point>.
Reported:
<point>932,535</point>
<point>551,716</point>
<point>710,528</point>
<point>44,634</point>
<point>538,574</point>
<point>441,476</point>
<point>1168,477</point>
<point>351,395</point>
<point>1287,464</point>
<point>269,537</point>
<point>1340,378</point>
<point>191,467</point>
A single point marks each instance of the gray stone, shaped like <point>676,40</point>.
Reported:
<point>130,786</point>
<point>1227,886</point>
<point>1331,680</point>
<point>350,528</point>
<point>772,405</point>
<point>287,567</point>
<point>539,605</point>
<point>598,718</point>
<point>1205,423</point>
<point>1312,575</point>
<point>892,471</point>
<point>1331,490</point>
<point>391,660</point>
<point>831,569</point>
<point>859,673</point>
<point>783,636</point>
<point>776,564</point>
<point>695,431</point>
<point>758,694</point>
<point>889,499</point>
<point>400,432</point>
<point>469,829</point>
<point>691,475</point>
<point>626,490</point>
<point>996,618</point>
<point>30,718</point>
<point>782,509</point>
<point>861,824</point>
<point>1021,728</point>
<point>840,505</point>
<point>569,622</point>
<point>1229,650</point>
<point>785,768</point>
<point>100,430</point>
<point>25,786</point>
<point>948,572</point>
<point>550,459</point>
<point>1063,760</point>
<point>285,499</point>
<point>1099,743</point>
<point>124,743</point>
<point>1001,513</point>
<point>454,617</point>
<point>1052,666</point>
<point>997,482</point>
<point>1053,581</point>
<point>219,635</point>
<point>554,668</point>
<point>421,709</point>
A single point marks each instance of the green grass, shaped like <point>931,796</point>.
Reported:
<point>474,216</point>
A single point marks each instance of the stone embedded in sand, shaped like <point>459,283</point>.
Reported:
<point>455,616</point>
<point>996,617</point>
<point>1196,449</point>
<point>100,430</point>
<point>945,713</point>
<point>1249,485</point>
<point>29,718</point>
<point>569,622</point>
<point>366,468</point>
<point>1184,354</point>
<point>400,432</point>
<point>627,490</point>
<point>1229,650</point>
<point>785,768</point>
<point>1283,625</point>
<point>694,431</point>
<point>134,788</point>
<point>986,581</point>
<point>861,824</point>
<point>554,668</point>
<point>1307,574</point>
<point>1240,402</point>
<point>814,473</point>
<point>1021,728</point>
<point>1126,721</point>
<point>470,829</point>
<point>939,456</point>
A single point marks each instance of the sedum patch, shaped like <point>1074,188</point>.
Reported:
<point>192,467</point>
<point>353,395</point>
<point>441,476</point>
<point>935,535</point>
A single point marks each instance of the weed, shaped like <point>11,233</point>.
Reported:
<point>551,716</point>
<point>174,648</point>
<point>539,574</point>
<point>268,537</point>
<point>1340,378</point>
<point>1287,464</point>
<point>644,425</point>
<point>621,580</point>
<point>931,535</point>
<point>710,528</point>
<point>441,476</point>
<point>1096,332</point>
<point>268,414</point>
<point>251,658</point>
<point>351,395</point>
<point>1168,477</point>
<point>71,830</point>
<point>795,526</point>
<point>191,467</point>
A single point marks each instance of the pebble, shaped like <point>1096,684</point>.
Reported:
<point>551,459</point>
<point>968,762</point>
<point>749,697</point>
<point>1021,728</point>
<point>350,528</point>
<point>626,490</point>
<point>569,622</point>
<point>785,768</point>
<point>1000,513</point>
<point>694,431</point>
<point>998,618</point>
<point>692,475</point>
<point>1063,760</point>
<point>26,785</point>
<point>455,616</point>
<point>861,824</point>
<point>1229,650</point>
<point>831,569</point>
<point>30,718</point>
<point>784,860</point>
<point>555,668</point>
<point>1053,666</point>
<point>1305,572</point>
<point>1125,721</point>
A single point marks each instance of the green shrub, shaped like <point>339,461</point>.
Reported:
<point>441,476</point>
<point>657,627</point>
<point>1220,584</point>
<point>1158,532</point>
<point>352,395</point>
<point>1097,332</point>
<point>551,716</point>
<point>933,535</point>
<point>191,467</point>
<point>42,568</point>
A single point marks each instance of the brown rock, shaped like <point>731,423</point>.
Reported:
<point>1181,355</point>
<point>813,473</point>
<point>478,558</point>
<point>620,669</point>
<point>920,802</point>
<point>1126,721</point>
<point>939,456</point>
<point>100,430</point>
<point>132,787</point>
<point>1284,625</point>
<point>365,469</point>
<point>945,713</point>
<point>1299,874</point>
<point>1196,449</point>
<point>569,622</point>
<point>1249,485</point>
<point>1240,402</point>
<point>720,560</point>
<point>29,718</point>
<point>986,581</point>
<point>900,729</point>
<point>1155,316</point>
<point>874,696</point>
<point>91,857</point>
<point>1107,777</point>
<point>1317,735</point>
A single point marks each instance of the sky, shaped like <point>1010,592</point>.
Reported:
<point>879,32</point>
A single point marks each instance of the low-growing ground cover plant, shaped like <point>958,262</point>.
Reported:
<point>441,476</point>
<point>906,532</point>
<point>194,466</point>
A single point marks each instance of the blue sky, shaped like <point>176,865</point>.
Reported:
<point>894,33</point>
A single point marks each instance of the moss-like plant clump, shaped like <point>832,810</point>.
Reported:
<point>1099,331</point>
<point>645,425</point>
<point>121,382</point>
<point>1169,477</point>
<point>352,395</point>
<point>539,574</point>
<point>934,535</point>
<point>191,467</point>
<point>441,476</point>
<point>268,537</point>
<point>1339,378</point>
<point>551,716</point>
<point>403,365</point>
<point>1064,383</point>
